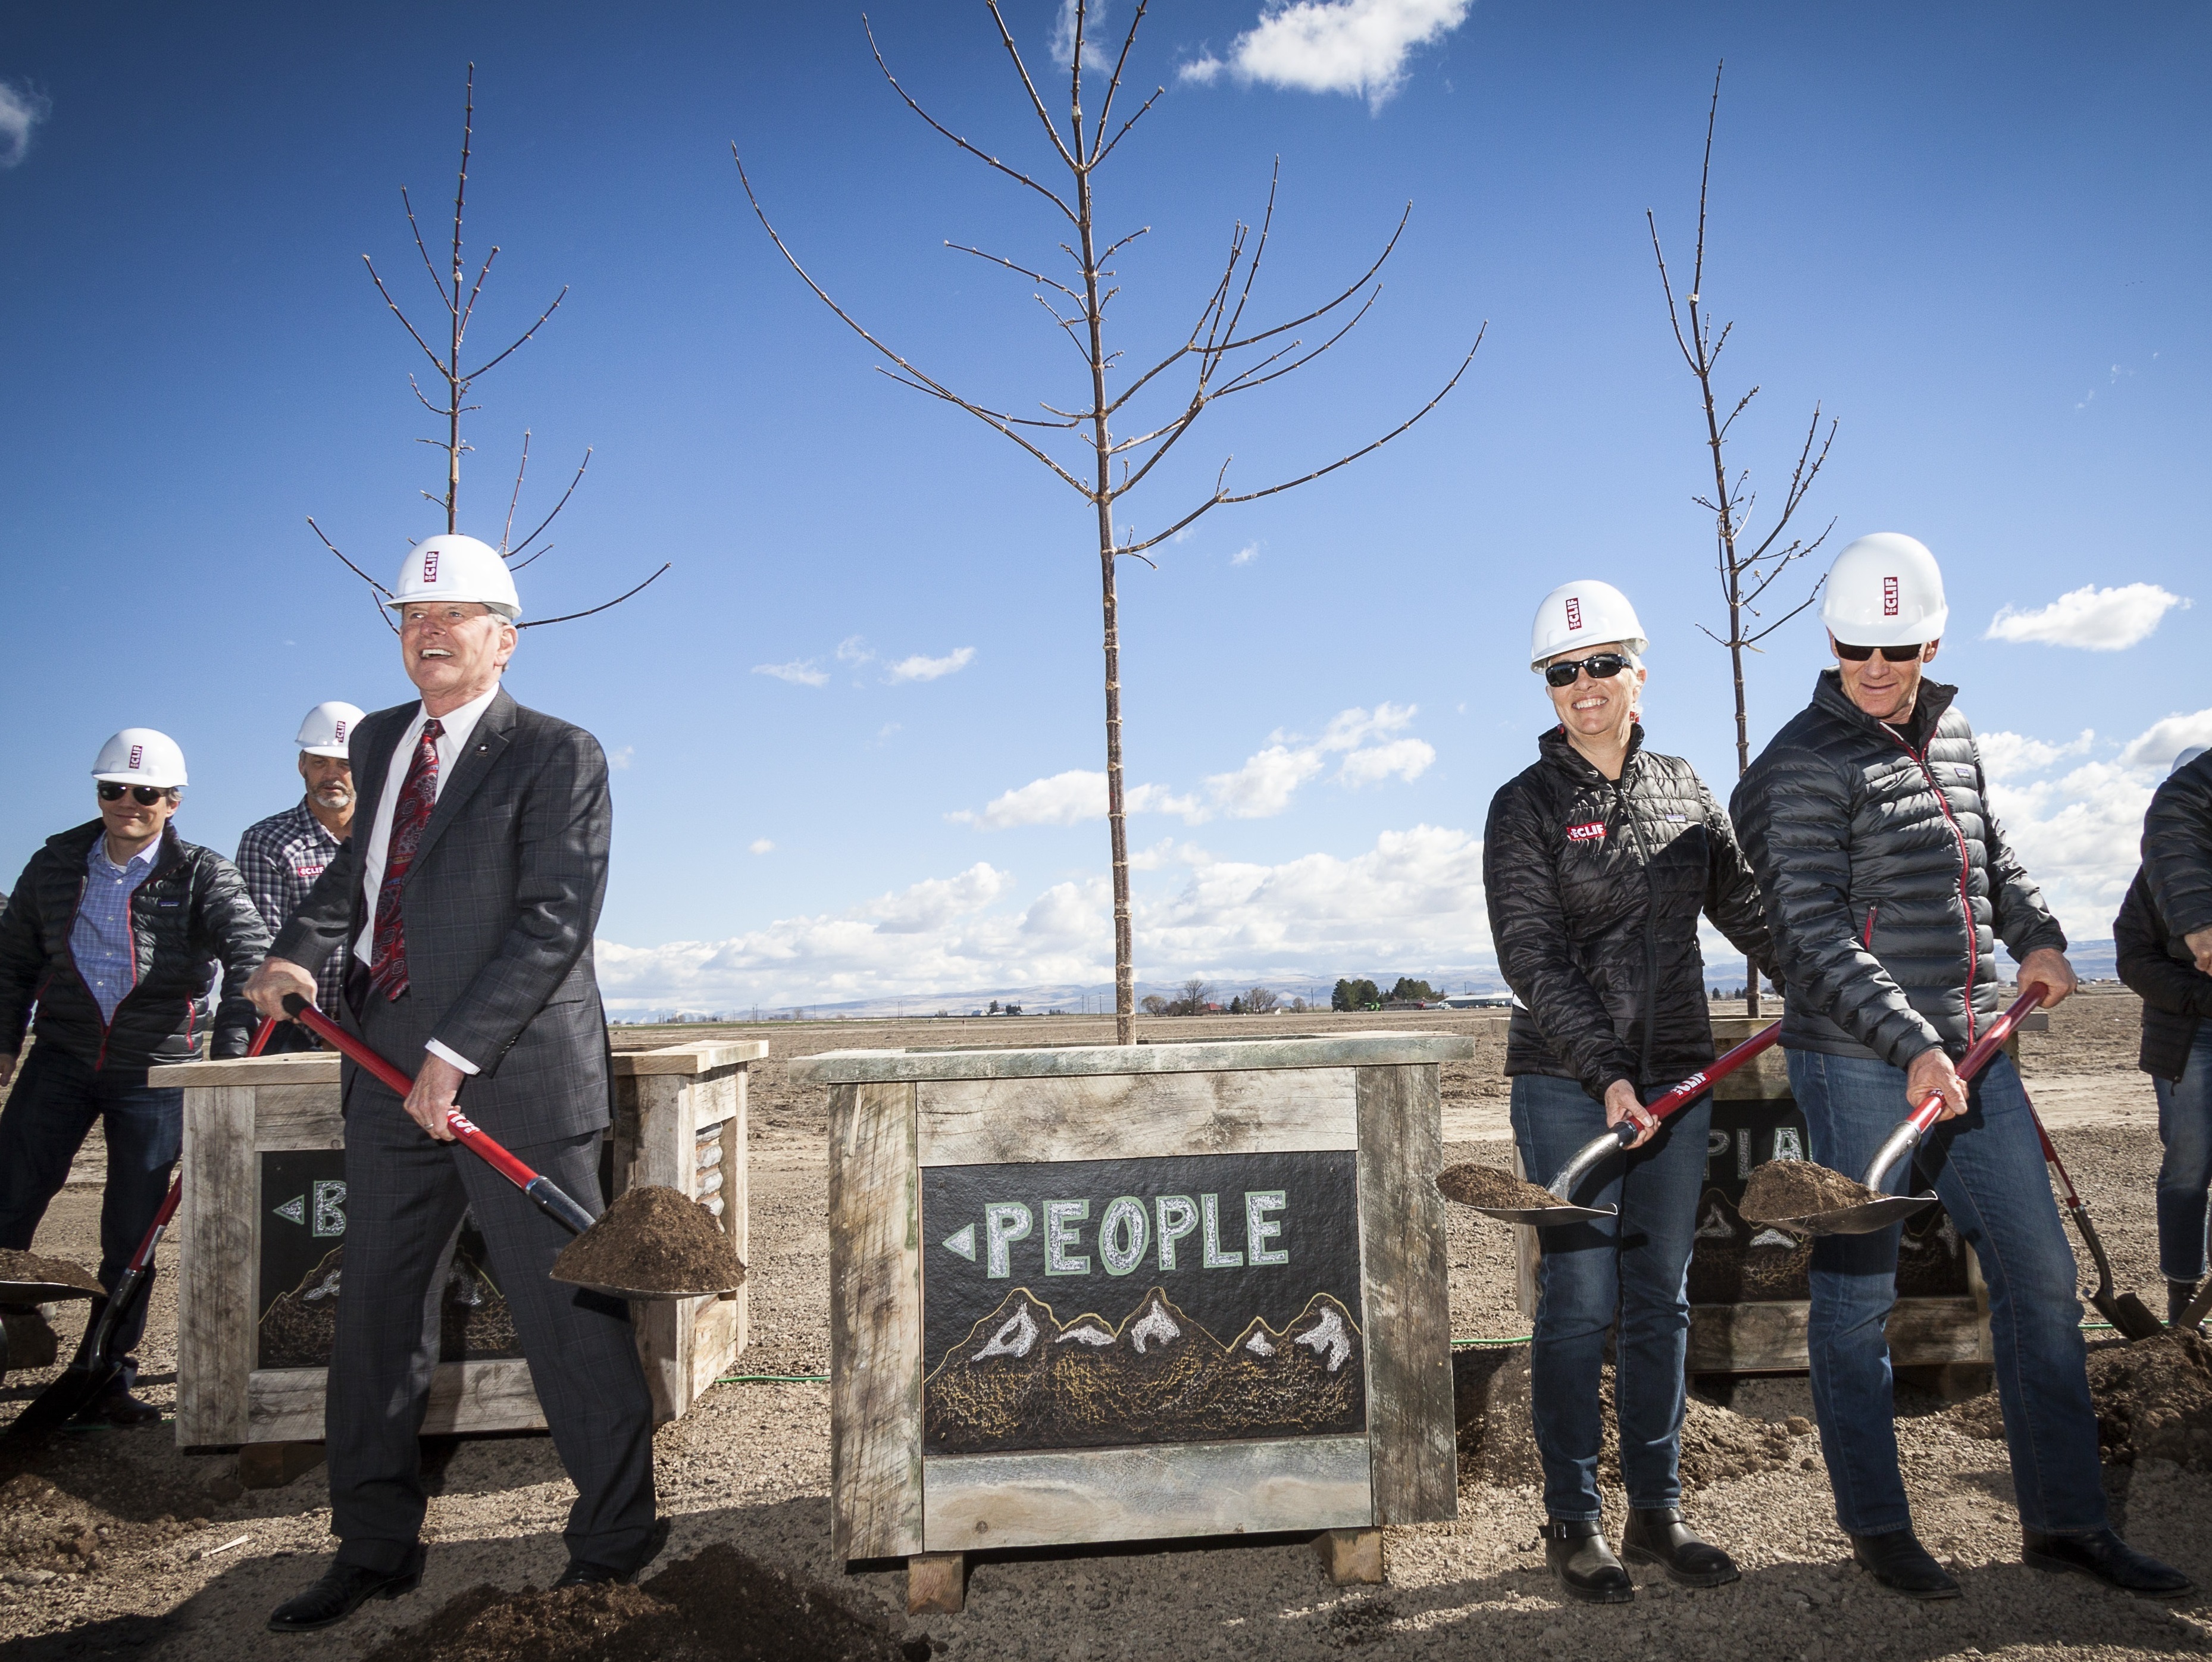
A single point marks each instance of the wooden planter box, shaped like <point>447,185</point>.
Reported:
<point>262,1227</point>
<point>1748,1291</point>
<point>1106,1293</point>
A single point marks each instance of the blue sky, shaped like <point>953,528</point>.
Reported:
<point>1974,234</point>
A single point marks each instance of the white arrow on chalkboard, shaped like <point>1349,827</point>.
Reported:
<point>294,1210</point>
<point>962,1243</point>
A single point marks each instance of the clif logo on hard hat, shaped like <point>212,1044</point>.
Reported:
<point>137,757</point>
<point>1574,612</point>
<point>430,567</point>
<point>1889,596</point>
<point>1593,832</point>
<point>338,732</point>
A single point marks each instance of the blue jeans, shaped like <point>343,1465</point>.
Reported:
<point>55,1100</point>
<point>2185,1126</point>
<point>1636,1265</point>
<point>1988,1168</point>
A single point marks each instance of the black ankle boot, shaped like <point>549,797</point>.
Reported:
<point>1897,1560</point>
<point>2177,1295</point>
<point>1660,1537</point>
<point>1587,1569</point>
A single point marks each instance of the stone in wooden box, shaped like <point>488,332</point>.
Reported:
<point>1101,1294</point>
<point>1748,1288</point>
<point>261,1234</point>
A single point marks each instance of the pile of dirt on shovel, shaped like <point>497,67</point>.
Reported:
<point>1782,1189</point>
<point>1474,1185</point>
<point>652,1239</point>
<point>2153,1402</point>
<point>720,1606</point>
<point>52,1271</point>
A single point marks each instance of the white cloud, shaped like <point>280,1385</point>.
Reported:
<point>760,845</point>
<point>1067,799</point>
<point>2167,739</point>
<point>1412,902</point>
<point>855,650</point>
<point>1405,758</point>
<point>799,672</point>
<point>919,668</point>
<point>20,110</point>
<point>2101,620</point>
<point>620,760</point>
<point>1063,35</point>
<point>1357,47</point>
<point>1263,786</point>
<point>2005,756</point>
<point>1245,556</point>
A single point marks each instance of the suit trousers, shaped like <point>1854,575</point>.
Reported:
<point>406,1195</point>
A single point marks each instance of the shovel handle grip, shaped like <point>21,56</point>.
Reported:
<point>487,1148</point>
<point>1620,1136</point>
<point>1908,1136</point>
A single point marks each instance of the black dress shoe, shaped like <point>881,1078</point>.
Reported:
<point>1587,1569</point>
<point>583,1573</point>
<point>2108,1558</point>
<point>117,1408</point>
<point>1660,1537</point>
<point>1897,1560</point>
<point>344,1589</point>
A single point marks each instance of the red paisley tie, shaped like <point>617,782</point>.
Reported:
<point>418,795</point>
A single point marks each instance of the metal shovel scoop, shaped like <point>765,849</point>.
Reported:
<point>1601,1149</point>
<point>550,1195</point>
<point>1865,1217</point>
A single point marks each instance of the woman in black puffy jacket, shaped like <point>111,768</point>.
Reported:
<point>1597,862</point>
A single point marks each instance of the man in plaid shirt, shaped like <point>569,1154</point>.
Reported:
<point>281,856</point>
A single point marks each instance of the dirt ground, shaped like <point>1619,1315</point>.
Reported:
<point>117,1545</point>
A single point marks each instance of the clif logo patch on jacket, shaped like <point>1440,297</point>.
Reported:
<point>1593,832</point>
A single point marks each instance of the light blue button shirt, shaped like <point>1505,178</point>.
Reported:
<point>100,940</point>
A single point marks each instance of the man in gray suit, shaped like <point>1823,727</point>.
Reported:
<point>464,902</point>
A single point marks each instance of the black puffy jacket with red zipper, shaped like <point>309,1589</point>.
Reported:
<point>1887,882</point>
<point>192,908</point>
<point>1594,887</point>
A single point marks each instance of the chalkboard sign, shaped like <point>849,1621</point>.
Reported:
<point>1097,1303</point>
<point>1737,1263</point>
<point>303,1223</point>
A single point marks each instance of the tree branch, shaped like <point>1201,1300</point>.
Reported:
<point>517,549</point>
<point>570,617</point>
<point>980,155</point>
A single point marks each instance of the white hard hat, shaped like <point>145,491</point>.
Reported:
<point>327,727</point>
<point>139,755</point>
<point>1885,589</point>
<point>451,567</point>
<point>1584,613</point>
<point>2185,758</point>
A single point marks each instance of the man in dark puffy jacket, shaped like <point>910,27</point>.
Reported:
<point>109,933</point>
<point>1888,885</point>
<point>2156,959</point>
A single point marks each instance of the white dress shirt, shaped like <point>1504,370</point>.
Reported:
<point>452,742</point>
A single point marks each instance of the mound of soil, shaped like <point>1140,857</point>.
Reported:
<point>1471,1184</point>
<point>52,1271</point>
<point>1783,1189</point>
<point>720,1606</point>
<point>2153,1402</point>
<point>652,1239</point>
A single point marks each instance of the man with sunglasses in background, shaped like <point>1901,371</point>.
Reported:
<point>113,931</point>
<point>1888,885</point>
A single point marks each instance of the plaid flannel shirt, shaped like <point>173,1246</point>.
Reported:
<point>280,857</point>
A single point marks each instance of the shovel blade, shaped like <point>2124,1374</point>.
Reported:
<point>45,1292</point>
<point>2129,1316</point>
<point>1544,1216</point>
<point>81,1385</point>
<point>1862,1220</point>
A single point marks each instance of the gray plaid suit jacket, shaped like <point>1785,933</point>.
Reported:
<point>499,909</point>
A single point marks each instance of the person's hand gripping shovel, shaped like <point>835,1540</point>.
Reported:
<point>652,1243</point>
<point>1806,1199</point>
<point>1497,1194</point>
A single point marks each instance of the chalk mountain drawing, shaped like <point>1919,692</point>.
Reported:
<point>1023,1379</point>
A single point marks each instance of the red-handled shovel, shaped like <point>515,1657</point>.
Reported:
<point>1864,1217</point>
<point>2129,1316</point>
<point>1599,1150</point>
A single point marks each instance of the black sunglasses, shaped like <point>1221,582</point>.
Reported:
<point>1894,654</point>
<point>145,795</point>
<point>1602,666</point>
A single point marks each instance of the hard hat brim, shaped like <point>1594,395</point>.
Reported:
<point>499,608</point>
<point>1918,633</point>
<point>140,778</point>
<point>337,750</point>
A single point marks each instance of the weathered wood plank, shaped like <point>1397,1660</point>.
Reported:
<point>840,1067</point>
<point>1769,1337</point>
<point>937,1584</point>
<point>970,1502</point>
<point>286,1403</point>
<point>659,1146</point>
<point>294,1068</point>
<point>298,1117</point>
<point>704,1056</point>
<point>875,1323</point>
<point>990,1122</point>
<point>1405,1286</point>
<point>217,1260</point>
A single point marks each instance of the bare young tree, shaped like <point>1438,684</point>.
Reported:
<point>1259,1001</point>
<point>459,295</point>
<point>1748,564</point>
<point>1197,994</point>
<point>1114,450</point>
